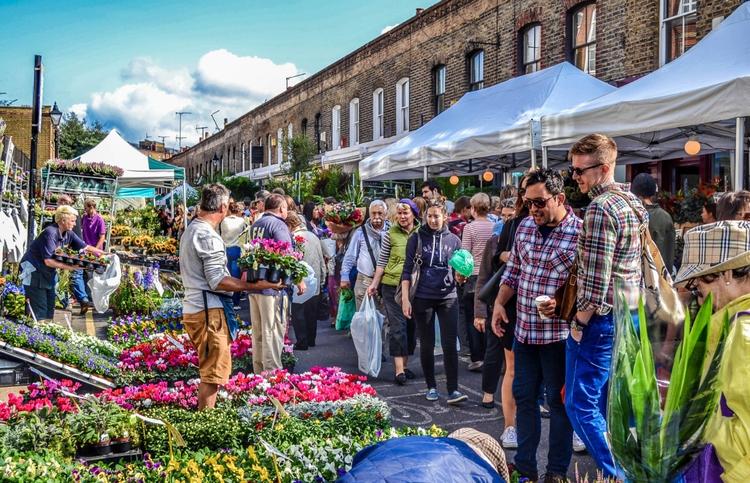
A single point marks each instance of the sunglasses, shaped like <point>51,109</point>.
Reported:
<point>538,203</point>
<point>580,171</point>
<point>692,285</point>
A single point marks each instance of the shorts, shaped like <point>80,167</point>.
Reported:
<point>213,344</point>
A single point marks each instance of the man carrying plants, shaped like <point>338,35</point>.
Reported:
<point>208,311</point>
<point>268,305</point>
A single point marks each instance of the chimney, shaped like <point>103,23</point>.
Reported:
<point>226,121</point>
<point>419,11</point>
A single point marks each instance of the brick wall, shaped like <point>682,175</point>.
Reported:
<point>446,34</point>
<point>18,120</point>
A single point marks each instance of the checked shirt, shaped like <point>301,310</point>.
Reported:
<point>609,249</point>
<point>539,267</point>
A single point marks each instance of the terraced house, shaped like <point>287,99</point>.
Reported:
<point>400,80</point>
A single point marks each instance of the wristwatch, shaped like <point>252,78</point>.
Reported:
<point>576,325</point>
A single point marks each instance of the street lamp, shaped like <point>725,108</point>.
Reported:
<point>56,116</point>
<point>215,162</point>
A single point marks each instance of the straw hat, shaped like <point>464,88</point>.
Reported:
<point>486,446</point>
<point>715,248</point>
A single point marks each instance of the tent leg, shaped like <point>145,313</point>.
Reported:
<point>184,201</point>
<point>545,161</point>
<point>533,159</point>
<point>424,173</point>
<point>739,155</point>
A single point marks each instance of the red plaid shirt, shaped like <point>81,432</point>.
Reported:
<point>539,267</point>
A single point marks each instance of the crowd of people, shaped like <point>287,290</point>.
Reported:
<point>525,243</point>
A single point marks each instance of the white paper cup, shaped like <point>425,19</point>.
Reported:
<point>539,301</point>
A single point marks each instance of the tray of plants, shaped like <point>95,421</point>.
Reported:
<point>87,261</point>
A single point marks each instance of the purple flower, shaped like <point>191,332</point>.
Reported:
<point>340,472</point>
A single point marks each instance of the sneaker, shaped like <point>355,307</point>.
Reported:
<point>509,439</point>
<point>237,307</point>
<point>578,444</point>
<point>432,395</point>
<point>457,397</point>
<point>409,374</point>
<point>544,412</point>
<point>401,379</point>
<point>475,366</point>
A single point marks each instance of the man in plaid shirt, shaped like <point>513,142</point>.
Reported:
<point>609,255</point>
<point>542,255</point>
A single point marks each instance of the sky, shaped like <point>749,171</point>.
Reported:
<point>132,64</point>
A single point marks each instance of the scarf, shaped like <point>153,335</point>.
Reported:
<point>375,236</point>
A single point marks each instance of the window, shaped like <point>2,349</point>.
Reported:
<point>377,114</point>
<point>402,105</point>
<point>439,76</point>
<point>242,155</point>
<point>304,127</point>
<point>531,49</point>
<point>270,150</point>
<point>679,18</point>
<point>476,70</point>
<point>316,131</point>
<point>279,146</point>
<point>583,37</point>
<point>354,122</point>
<point>336,127</point>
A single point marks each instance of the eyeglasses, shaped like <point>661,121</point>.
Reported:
<point>580,171</point>
<point>538,203</point>
<point>692,285</point>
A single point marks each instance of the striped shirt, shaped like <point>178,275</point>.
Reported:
<point>539,266</point>
<point>475,239</point>
<point>609,249</point>
<point>385,249</point>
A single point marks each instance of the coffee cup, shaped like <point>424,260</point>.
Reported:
<point>539,301</point>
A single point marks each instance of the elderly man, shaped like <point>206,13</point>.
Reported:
<point>269,308</point>
<point>208,313</point>
<point>38,265</point>
<point>363,251</point>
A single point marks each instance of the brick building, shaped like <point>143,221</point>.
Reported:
<point>403,78</point>
<point>18,120</point>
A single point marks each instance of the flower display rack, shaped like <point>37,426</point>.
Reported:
<point>13,180</point>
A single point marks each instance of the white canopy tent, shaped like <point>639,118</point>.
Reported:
<point>705,94</point>
<point>179,192</point>
<point>485,125</point>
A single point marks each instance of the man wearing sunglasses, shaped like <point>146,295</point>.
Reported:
<point>543,253</point>
<point>609,253</point>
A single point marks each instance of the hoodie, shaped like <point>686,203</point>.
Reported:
<point>436,279</point>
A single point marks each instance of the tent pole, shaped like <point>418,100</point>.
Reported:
<point>533,159</point>
<point>184,201</point>
<point>424,173</point>
<point>739,155</point>
<point>545,161</point>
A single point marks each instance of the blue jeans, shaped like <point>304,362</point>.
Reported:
<point>586,376</point>
<point>234,253</point>
<point>78,286</point>
<point>539,368</point>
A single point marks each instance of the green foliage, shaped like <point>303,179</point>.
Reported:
<point>331,182</point>
<point>78,136</point>
<point>300,151</point>
<point>131,299</point>
<point>240,186</point>
<point>40,430</point>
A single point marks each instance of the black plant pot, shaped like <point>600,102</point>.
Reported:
<point>262,272</point>
<point>59,258</point>
<point>286,278</point>
<point>81,263</point>
<point>252,275</point>
<point>95,450</point>
<point>273,275</point>
<point>121,446</point>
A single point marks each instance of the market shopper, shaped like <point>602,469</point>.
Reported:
<point>269,307</point>
<point>305,314</point>
<point>401,330</point>
<point>660,223</point>
<point>734,205</point>
<point>432,246</point>
<point>38,266</point>
<point>364,250</point>
<point>543,253</point>
<point>609,252</point>
<point>708,212</point>
<point>208,315</point>
<point>474,240</point>
<point>233,231</point>
<point>716,261</point>
<point>431,190</point>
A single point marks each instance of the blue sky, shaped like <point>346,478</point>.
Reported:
<point>131,64</point>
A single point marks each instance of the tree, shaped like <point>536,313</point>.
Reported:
<point>77,136</point>
<point>300,151</point>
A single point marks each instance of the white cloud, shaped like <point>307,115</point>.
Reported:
<point>388,28</point>
<point>79,110</point>
<point>150,94</point>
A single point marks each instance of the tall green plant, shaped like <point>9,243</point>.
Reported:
<point>653,438</point>
<point>300,151</point>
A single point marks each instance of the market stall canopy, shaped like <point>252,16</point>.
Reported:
<point>655,115</point>
<point>487,123</point>
<point>141,173</point>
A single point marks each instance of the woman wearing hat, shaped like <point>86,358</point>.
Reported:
<point>716,260</point>
<point>401,331</point>
<point>39,268</point>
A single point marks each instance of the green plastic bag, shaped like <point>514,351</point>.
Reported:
<point>347,309</point>
<point>462,262</point>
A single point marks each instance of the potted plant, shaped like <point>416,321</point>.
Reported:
<point>89,429</point>
<point>342,217</point>
<point>121,428</point>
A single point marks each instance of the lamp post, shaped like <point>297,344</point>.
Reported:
<point>216,162</point>
<point>56,116</point>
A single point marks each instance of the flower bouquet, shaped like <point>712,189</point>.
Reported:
<point>654,435</point>
<point>342,217</point>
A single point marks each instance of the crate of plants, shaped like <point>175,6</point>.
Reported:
<point>87,261</point>
<point>272,260</point>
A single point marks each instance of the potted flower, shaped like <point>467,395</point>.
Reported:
<point>89,429</point>
<point>121,428</point>
<point>342,217</point>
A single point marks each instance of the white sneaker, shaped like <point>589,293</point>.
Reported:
<point>578,445</point>
<point>509,438</point>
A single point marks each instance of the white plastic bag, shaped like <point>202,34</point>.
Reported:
<point>311,286</point>
<point>366,329</point>
<point>103,285</point>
